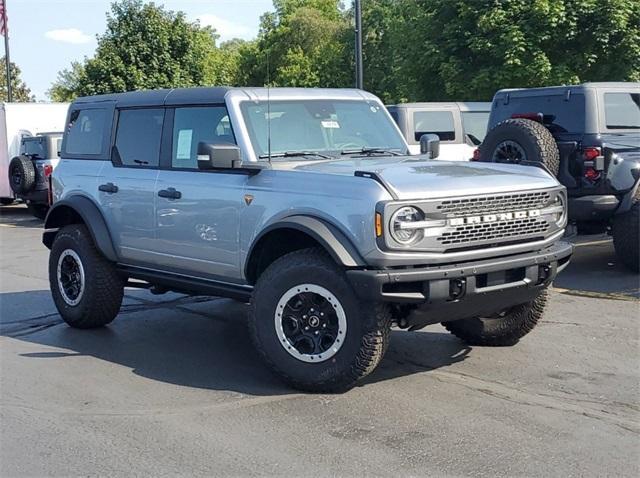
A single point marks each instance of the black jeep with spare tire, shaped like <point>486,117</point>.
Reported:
<point>589,137</point>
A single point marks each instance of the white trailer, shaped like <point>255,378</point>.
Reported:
<point>18,120</point>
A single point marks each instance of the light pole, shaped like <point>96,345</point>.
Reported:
<point>359,71</point>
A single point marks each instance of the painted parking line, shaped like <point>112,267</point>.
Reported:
<point>592,243</point>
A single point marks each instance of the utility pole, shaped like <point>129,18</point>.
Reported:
<point>359,70</point>
<point>4,30</point>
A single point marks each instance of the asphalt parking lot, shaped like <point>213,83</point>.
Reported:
<point>173,387</point>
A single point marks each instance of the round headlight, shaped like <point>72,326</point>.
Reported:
<point>401,225</point>
<point>560,216</point>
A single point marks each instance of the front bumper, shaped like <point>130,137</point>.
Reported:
<point>463,290</point>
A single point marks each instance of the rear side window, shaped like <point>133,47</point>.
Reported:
<point>138,137</point>
<point>622,110</point>
<point>85,131</point>
<point>475,123</point>
<point>206,124</point>
<point>434,122</point>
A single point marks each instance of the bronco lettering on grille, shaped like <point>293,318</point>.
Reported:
<point>486,218</point>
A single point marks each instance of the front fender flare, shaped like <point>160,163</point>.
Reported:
<point>58,216</point>
<point>328,236</point>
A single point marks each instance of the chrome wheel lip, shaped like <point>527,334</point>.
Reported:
<point>504,150</point>
<point>340,313</point>
<point>72,301</point>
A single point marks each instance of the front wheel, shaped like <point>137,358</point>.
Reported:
<point>86,287</point>
<point>309,326</point>
<point>504,329</point>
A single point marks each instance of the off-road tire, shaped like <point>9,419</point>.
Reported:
<point>22,174</point>
<point>38,210</point>
<point>104,288</point>
<point>626,235</point>
<point>368,324</point>
<point>506,330</point>
<point>535,139</point>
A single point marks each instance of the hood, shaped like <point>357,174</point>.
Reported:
<point>409,177</point>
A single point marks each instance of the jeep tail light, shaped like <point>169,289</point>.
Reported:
<point>48,169</point>
<point>591,174</point>
<point>589,154</point>
<point>476,155</point>
<point>530,116</point>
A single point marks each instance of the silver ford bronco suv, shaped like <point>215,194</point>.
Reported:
<point>304,204</point>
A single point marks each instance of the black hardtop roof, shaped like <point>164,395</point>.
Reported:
<point>163,97</point>
<point>613,85</point>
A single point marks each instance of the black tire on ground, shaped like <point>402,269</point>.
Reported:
<point>38,210</point>
<point>7,201</point>
<point>366,332</point>
<point>626,235</point>
<point>504,330</point>
<point>102,287</point>
<point>22,174</point>
<point>516,140</point>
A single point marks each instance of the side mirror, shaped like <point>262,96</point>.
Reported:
<point>218,156</point>
<point>430,145</point>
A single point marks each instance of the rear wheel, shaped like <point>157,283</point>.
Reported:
<point>519,140</point>
<point>626,235</point>
<point>309,326</point>
<point>504,329</point>
<point>86,287</point>
<point>22,174</point>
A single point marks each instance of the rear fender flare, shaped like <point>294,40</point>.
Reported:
<point>59,216</point>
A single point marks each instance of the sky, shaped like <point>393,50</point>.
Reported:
<point>45,36</point>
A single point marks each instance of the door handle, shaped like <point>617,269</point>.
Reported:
<point>169,193</point>
<point>108,188</point>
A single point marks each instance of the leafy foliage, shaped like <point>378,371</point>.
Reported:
<point>21,93</point>
<point>414,50</point>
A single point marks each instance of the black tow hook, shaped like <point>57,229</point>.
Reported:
<point>457,288</point>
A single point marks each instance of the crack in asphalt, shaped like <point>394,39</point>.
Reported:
<point>533,399</point>
<point>24,327</point>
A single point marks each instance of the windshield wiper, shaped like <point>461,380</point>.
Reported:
<point>293,154</point>
<point>370,151</point>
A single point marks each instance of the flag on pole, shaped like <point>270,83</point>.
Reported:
<point>3,19</point>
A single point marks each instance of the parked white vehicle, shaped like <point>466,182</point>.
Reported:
<point>21,120</point>
<point>460,126</point>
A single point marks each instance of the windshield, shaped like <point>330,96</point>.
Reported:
<point>622,110</point>
<point>475,123</point>
<point>329,127</point>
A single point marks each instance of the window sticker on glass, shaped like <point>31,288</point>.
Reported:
<point>184,144</point>
<point>330,124</point>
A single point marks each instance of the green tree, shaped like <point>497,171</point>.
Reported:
<point>302,43</point>
<point>67,83</point>
<point>467,49</point>
<point>20,90</point>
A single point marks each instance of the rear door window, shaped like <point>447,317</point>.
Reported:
<point>560,114</point>
<point>622,110</point>
<point>138,137</point>
<point>434,122</point>
<point>86,130</point>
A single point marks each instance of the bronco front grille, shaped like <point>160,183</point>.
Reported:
<point>497,231</point>
<point>490,204</point>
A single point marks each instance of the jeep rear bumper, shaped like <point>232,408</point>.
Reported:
<point>463,290</point>
<point>592,208</point>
